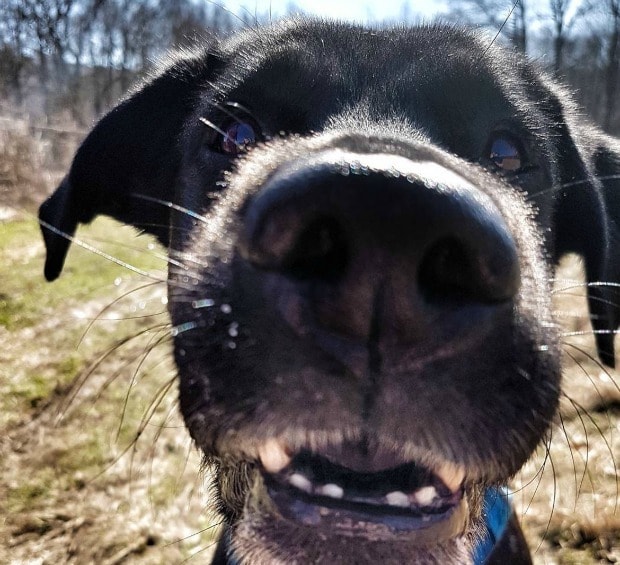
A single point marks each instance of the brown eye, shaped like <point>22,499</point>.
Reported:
<point>237,136</point>
<point>505,153</point>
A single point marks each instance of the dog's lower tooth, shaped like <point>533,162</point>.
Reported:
<point>397,498</point>
<point>425,496</point>
<point>273,456</point>
<point>331,490</point>
<point>300,482</point>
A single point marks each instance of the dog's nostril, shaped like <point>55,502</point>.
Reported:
<point>320,251</point>
<point>299,247</point>
<point>450,269</point>
<point>445,271</point>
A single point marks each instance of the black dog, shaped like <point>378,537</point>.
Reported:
<point>362,225</point>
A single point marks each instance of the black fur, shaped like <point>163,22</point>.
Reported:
<point>313,306</point>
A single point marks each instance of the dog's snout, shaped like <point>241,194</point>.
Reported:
<point>358,226</point>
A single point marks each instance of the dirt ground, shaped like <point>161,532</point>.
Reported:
<point>95,466</point>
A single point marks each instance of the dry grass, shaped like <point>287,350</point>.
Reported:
<point>568,494</point>
<point>33,159</point>
<point>95,465</point>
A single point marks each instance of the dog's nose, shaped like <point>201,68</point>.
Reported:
<point>372,235</point>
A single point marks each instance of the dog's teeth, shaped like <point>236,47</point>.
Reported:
<point>452,475</point>
<point>273,456</point>
<point>425,496</point>
<point>300,482</point>
<point>397,498</point>
<point>331,490</point>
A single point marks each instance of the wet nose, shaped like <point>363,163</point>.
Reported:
<point>348,229</point>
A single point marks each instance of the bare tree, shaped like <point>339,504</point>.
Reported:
<point>50,20</point>
<point>563,22</point>
<point>613,62</point>
<point>496,15</point>
<point>13,57</point>
<point>518,22</point>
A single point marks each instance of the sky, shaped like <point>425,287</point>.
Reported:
<point>368,11</point>
<point>359,10</point>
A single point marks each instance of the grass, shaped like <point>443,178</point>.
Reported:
<point>28,494</point>
<point>27,298</point>
<point>79,459</point>
<point>53,316</point>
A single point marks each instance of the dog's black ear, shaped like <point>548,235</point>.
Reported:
<point>606,162</point>
<point>128,162</point>
<point>587,215</point>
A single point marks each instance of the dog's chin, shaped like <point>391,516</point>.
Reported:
<point>338,507</point>
<point>342,536</point>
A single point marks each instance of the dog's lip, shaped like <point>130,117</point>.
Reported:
<point>408,499</point>
<point>275,455</point>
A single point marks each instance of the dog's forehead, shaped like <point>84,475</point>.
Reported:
<point>442,74</point>
<point>333,55</point>
<point>432,44</point>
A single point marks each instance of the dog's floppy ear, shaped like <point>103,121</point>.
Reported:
<point>606,162</point>
<point>131,152</point>
<point>587,213</point>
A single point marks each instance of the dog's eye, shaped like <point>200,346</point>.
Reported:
<point>505,153</point>
<point>231,129</point>
<point>237,135</point>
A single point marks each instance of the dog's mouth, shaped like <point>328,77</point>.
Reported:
<point>408,498</point>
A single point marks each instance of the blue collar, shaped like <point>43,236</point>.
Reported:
<point>496,512</point>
